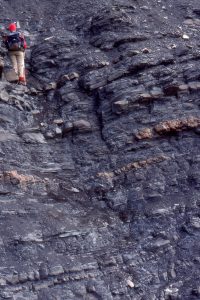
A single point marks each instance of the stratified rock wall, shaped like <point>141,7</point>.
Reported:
<point>99,153</point>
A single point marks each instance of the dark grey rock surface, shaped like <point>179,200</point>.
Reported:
<point>99,154</point>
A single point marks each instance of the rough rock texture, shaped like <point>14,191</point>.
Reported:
<point>100,163</point>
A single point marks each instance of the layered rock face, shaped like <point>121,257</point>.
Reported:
<point>100,178</point>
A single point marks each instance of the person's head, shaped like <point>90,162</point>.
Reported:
<point>12,27</point>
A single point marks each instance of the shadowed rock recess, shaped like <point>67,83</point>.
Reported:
<point>99,153</point>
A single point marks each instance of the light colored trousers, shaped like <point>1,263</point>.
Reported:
<point>17,60</point>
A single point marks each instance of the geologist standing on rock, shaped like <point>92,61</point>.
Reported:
<point>16,45</point>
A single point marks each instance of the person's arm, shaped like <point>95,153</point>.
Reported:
<point>23,40</point>
<point>5,40</point>
<point>25,44</point>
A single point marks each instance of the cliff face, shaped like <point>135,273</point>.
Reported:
<point>100,178</point>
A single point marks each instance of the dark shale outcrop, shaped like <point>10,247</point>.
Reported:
<point>99,154</point>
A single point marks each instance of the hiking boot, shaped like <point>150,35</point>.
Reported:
<point>22,80</point>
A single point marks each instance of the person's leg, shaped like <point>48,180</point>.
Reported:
<point>13,59</point>
<point>20,64</point>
